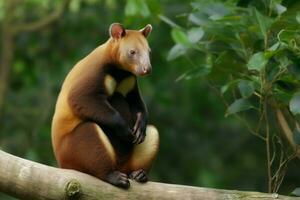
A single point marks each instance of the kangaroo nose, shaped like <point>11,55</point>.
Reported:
<point>146,70</point>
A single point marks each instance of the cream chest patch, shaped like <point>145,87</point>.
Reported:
<point>110,84</point>
<point>124,87</point>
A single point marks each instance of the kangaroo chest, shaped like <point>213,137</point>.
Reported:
<point>123,86</point>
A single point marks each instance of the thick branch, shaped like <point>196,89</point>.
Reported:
<point>29,180</point>
<point>45,21</point>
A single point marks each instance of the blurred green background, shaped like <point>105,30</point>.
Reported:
<point>199,146</point>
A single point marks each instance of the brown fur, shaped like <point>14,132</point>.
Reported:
<point>83,149</point>
<point>83,127</point>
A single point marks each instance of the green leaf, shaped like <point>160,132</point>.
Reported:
<point>246,88</point>
<point>257,61</point>
<point>295,103</point>
<point>273,50</point>
<point>131,8</point>
<point>238,106</point>
<point>176,51</point>
<point>219,8</point>
<point>1,10</point>
<point>180,37</point>
<point>137,7</point>
<point>295,70</point>
<point>195,73</point>
<point>206,11</point>
<point>216,11</point>
<point>144,10</point>
<point>263,22</point>
<point>195,34</point>
<point>168,21</point>
<point>229,85</point>
<point>296,192</point>
<point>298,17</point>
<point>74,6</point>
<point>289,83</point>
<point>279,8</point>
<point>274,47</point>
<point>282,95</point>
<point>198,18</point>
<point>296,136</point>
<point>19,67</point>
<point>282,59</point>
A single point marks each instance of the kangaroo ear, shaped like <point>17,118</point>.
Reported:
<point>116,31</point>
<point>146,30</point>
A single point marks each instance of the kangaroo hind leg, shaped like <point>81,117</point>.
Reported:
<point>143,155</point>
<point>87,149</point>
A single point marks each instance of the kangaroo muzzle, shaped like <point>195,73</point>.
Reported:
<point>146,70</point>
<point>144,67</point>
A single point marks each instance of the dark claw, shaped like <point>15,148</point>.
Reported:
<point>139,176</point>
<point>137,122</point>
<point>139,129</point>
<point>135,138</point>
<point>142,177</point>
<point>118,179</point>
<point>141,137</point>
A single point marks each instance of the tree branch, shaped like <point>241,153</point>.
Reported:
<point>288,133</point>
<point>29,180</point>
<point>45,21</point>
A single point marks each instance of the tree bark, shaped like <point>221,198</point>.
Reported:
<point>29,180</point>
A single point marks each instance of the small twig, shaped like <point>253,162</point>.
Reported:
<point>283,162</point>
<point>190,61</point>
<point>274,149</point>
<point>255,133</point>
<point>268,148</point>
<point>218,93</point>
<point>260,121</point>
<point>270,8</point>
<point>280,173</point>
<point>277,176</point>
<point>281,71</point>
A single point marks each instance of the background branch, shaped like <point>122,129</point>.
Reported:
<point>45,21</point>
<point>286,130</point>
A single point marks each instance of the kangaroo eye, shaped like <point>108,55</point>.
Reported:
<point>132,52</point>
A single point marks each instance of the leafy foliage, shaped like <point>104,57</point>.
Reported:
<point>256,48</point>
<point>257,62</point>
<point>238,106</point>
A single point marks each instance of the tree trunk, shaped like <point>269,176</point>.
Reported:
<point>7,49</point>
<point>29,180</point>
